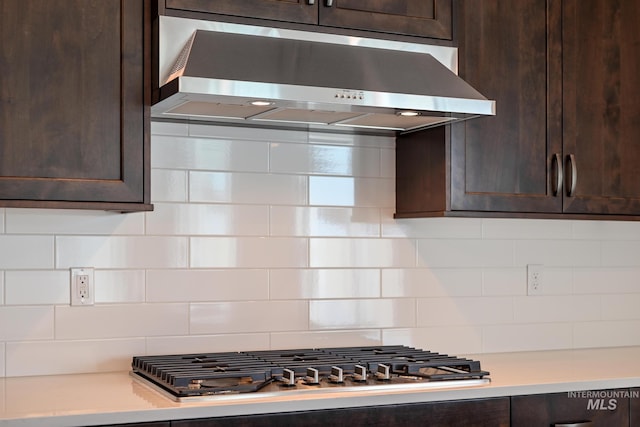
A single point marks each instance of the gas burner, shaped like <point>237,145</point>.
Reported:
<point>208,374</point>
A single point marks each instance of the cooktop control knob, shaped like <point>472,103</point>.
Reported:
<point>360,374</point>
<point>313,377</point>
<point>288,378</point>
<point>384,372</point>
<point>337,375</point>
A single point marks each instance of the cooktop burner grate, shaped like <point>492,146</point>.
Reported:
<point>184,375</point>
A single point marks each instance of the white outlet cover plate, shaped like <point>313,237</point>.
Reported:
<point>76,299</point>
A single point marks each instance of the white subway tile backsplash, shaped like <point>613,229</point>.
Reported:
<point>620,253</point>
<point>464,311</point>
<point>351,191</point>
<point>26,323</point>
<point>606,333</point>
<point>26,252</point>
<point>2,287</point>
<point>202,219</point>
<point>558,253</point>
<point>458,340</point>
<point>168,186</point>
<point>169,128</point>
<point>502,228</point>
<point>361,253</point>
<point>526,337</point>
<point>616,280</point>
<point>240,133</point>
<point>69,357</point>
<point>249,188</point>
<point>324,221</point>
<point>33,287</point>
<point>208,343</point>
<point>121,252</point>
<point>249,316</point>
<point>324,160</point>
<point>121,321</point>
<point>505,281</point>
<point>431,228</point>
<point>248,252</point>
<point>2,361</point>
<point>354,314</point>
<point>49,221</point>
<point>319,339</point>
<point>271,238</point>
<point>434,282</point>
<point>377,141</point>
<point>388,163</point>
<point>171,152</point>
<point>207,285</point>
<point>545,309</point>
<point>324,283</point>
<point>621,307</point>
<point>464,253</point>
<point>119,286</point>
<point>606,230</point>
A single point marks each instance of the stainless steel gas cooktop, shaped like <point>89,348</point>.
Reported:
<point>206,376</point>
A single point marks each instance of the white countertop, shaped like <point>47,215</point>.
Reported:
<point>111,398</point>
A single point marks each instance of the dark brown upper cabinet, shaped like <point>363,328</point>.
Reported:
<point>422,18</point>
<point>74,94</point>
<point>563,142</point>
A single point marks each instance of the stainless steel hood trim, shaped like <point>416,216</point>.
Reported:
<point>303,77</point>
<point>198,88</point>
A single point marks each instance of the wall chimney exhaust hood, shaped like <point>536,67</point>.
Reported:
<point>233,73</point>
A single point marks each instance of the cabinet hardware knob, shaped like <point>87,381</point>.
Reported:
<point>328,3</point>
<point>311,1</point>
<point>557,168</point>
<point>571,161</point>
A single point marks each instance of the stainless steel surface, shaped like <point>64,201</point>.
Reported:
<point>302,390</point>
<point>214,71</point>
<point>571,159</point>
<point>301,372</point>
<point>557,167</point>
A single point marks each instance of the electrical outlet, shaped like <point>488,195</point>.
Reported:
<point>534,279</point>
<point>82,286</point>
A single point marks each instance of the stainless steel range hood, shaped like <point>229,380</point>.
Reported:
<point>264,76</point>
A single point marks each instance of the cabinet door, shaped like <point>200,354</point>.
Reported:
<point>506,163</point>
<point>634,407</point>
<point>423,18</point>
<point>300,11</point>
<point>601,56</point>
<point>74,118</point>
<point>565,408</point>
<point>469,413</point>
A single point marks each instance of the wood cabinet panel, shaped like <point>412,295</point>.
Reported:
<point>74,124</point>
<point>279,10</point>
<point>501,163</point>
<point>563,74</point>
<point>601,62</point>
<point>470,413</point>
<point>421,18</point>
<point>424,18</point>
<point>556,408</point>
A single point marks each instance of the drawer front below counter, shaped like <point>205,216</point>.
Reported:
<point>604,408</point>
<point>470,413</point>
